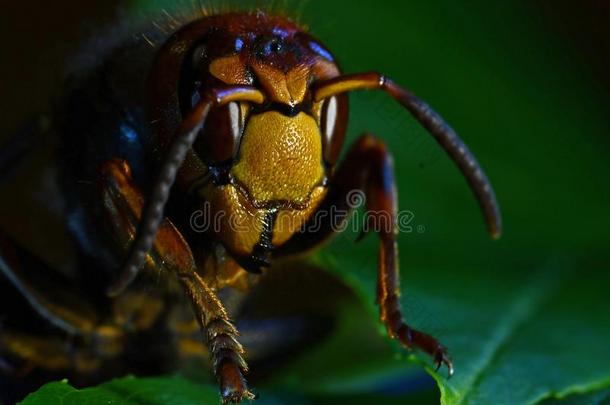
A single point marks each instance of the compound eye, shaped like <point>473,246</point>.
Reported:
<point>333,121</point>
<point>219,140</point>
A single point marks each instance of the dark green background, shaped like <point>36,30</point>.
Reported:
<point>526,318</point>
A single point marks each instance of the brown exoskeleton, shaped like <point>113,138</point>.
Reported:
<point>246,116</point>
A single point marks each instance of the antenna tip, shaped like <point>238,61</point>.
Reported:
<point>495,232</point>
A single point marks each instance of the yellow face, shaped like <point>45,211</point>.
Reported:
<point>280,156</point>
<point>264,166</point>
<point>280,159</point>
<point>277,178</point>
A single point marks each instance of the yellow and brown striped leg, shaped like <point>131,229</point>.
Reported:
<point>367,167</point>
<point>227,353</point>
<point>123,204</point>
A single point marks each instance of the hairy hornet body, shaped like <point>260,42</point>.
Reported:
<point>215,154</point>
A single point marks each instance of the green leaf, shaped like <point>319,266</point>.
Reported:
<point>176,391</point>
<point>601,397</point>
<point>127,391</point>
<point>515,338</point>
